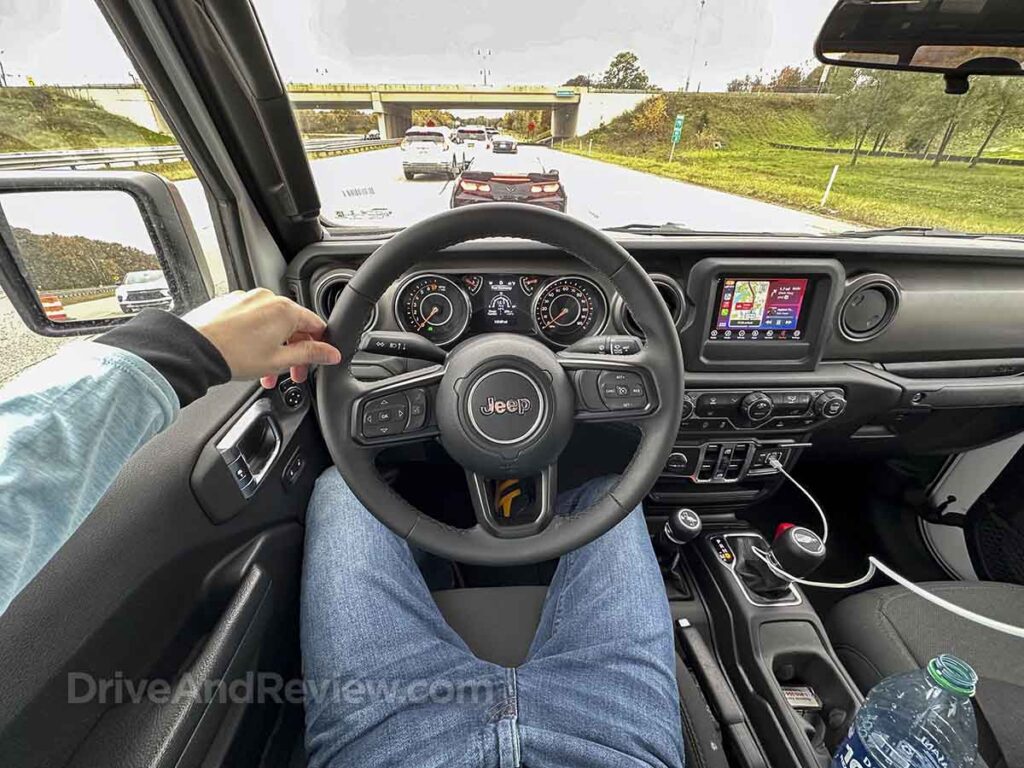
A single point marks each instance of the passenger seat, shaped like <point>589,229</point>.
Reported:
<point>885,631</point>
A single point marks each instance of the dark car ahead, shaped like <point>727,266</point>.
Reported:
<point>544,189</point>
<point>505,144</point>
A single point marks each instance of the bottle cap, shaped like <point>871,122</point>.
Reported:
<point>953,674</point>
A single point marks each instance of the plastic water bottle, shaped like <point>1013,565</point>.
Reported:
<point>920,719</point>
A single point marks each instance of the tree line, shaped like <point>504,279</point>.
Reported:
<point>64,262</point>
<point>911,111</point>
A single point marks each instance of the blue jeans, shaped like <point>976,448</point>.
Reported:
<point>389,683</point>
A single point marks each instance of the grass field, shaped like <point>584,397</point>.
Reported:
<point>878,192</point>
<point>46,118</point>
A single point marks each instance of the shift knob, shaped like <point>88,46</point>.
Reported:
<point>683,526</point>
<point>798,550</point>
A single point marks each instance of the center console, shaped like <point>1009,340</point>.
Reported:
<point>755,398</point>
<point>757,316</point>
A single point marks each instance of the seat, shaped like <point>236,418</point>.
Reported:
<point>890,630</point>
<point>498,625</point>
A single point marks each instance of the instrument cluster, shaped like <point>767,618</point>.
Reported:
<point>448,307</point>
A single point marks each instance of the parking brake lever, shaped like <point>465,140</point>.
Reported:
<point>402,344</point>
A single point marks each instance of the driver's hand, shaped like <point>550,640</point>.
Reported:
<point>261,334</point>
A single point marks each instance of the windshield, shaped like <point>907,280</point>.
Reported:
<point>149,276</point>
<point>431,138</point>
<point>710,115</point>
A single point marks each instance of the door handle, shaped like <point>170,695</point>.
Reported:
<point>251,446</point>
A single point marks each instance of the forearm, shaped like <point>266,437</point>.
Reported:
<point>69,424</point>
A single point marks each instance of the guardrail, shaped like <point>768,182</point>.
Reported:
<point>169,153</point>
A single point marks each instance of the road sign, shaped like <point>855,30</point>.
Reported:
<point>677,134</point>
<point>677,130</point>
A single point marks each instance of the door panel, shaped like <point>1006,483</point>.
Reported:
<point>143,586</point>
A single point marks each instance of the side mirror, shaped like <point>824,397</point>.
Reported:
<point>83,251</point>
<point>956,39</point>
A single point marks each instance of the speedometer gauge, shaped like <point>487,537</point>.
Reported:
<point>569,308</point>
<point>434,307</point>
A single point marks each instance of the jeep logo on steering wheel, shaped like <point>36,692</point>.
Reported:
<point>513,405</point>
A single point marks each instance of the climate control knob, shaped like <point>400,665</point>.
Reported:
<point>757,406</point>
<point>828,405</point>
<point>688,407</point>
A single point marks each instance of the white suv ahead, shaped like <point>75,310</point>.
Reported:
<point>432,150</point>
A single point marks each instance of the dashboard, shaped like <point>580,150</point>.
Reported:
<point>842,346</point>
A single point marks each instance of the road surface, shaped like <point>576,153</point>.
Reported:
<point>368,188</point>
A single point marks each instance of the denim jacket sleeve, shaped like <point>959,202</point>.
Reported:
<point>67,426</point>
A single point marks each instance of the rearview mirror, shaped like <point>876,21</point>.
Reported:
<point>956,38</point>
<point>82,251</point>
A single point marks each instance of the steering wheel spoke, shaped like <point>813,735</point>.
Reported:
<point>514,507</point>
<point>396,410</point>
<point>612,387</point>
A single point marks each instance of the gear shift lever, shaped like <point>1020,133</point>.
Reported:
<point>682,527</point>
<point>797,550</point>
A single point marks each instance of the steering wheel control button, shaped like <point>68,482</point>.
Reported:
<point>757,406</point>
<point>505,406</point>
<point>385,416</point>
<point>622,390</point>
<point>417,410</point>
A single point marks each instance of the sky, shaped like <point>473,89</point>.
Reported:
<point>434,41</point>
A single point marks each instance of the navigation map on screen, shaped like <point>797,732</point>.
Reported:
<point>756,309</point>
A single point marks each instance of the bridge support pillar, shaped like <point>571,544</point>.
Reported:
<point>393,120</point>
<point>563,121</point>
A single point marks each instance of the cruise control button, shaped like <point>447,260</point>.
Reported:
<point>618,386</point>
<point>627,404</point>
<point>417,410</point>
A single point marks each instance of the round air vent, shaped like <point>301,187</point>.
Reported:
<point>671,294</point>
<point>327,291</point>
<point>868,307</point>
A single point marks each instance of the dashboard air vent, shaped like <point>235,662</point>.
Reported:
<point>671,294</point>
<point>868,307</point>
<point>327,291</point>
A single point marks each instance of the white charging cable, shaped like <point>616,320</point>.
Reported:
<point>875,565</point>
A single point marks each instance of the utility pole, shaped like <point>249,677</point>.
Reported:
<point>3,72</point>
<point>696,39</point>
<point>484,54</point>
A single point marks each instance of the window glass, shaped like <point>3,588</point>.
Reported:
<point>69,97</point>
<point>709,115</point>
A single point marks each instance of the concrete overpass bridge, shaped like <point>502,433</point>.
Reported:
<point>574,110</point>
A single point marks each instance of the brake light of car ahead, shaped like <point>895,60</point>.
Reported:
<point>474,186</point>
<point>545,189</point>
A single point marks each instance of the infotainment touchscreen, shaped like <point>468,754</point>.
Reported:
<point>759,309</point>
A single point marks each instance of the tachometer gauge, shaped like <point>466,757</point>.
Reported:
<point>569,308</point>
<point>434,307</point>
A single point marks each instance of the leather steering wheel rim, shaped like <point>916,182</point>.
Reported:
<point>338,390</point>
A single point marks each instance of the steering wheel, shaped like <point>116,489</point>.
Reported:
<point>502,405</point>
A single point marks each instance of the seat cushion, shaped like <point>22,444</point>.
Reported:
<point>885,631</point>
<point>497,623</point>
